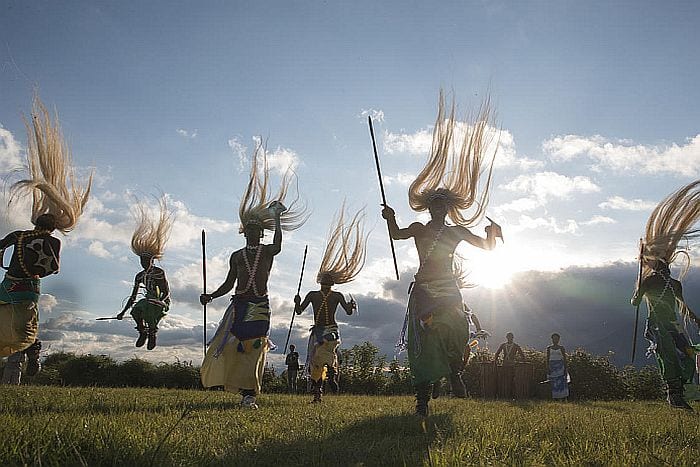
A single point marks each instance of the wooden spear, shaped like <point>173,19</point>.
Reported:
<point>381,188</point>
<point>301,276</point>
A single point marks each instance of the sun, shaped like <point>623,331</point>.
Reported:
<point>491,269</point>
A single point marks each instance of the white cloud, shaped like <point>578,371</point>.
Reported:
<point>282,159</point>
<point>187,134</point>
<point>239,150</point>
<point>518,205</point>
<point>377,115</point>
<point>500,142</point>
<point>595,220</point>
<point>623,155</point>
<point>526,222</point>
<point>403,179</point>
<point>9,151</point>
<point>47,302</point>
<point>98,249</point>
<point>622,204</point>
<point>547,185</point>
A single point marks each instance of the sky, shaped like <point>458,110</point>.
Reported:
<point>597,121</point>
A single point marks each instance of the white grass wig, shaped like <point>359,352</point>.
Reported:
<point>454,174</point>
<point>52,182</point>
<point>346,248</point>
<point>256,199</point>
<point>673,220</point>
<point>151,234</point>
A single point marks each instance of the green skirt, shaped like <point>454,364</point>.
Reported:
<point>438,330</point>
<point>151,313</point>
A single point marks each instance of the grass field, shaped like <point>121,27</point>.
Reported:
<point>102,426</point>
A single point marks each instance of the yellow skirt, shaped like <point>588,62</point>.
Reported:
<point>237,367</point>
<point>323,356</point>
<point>19,326</point>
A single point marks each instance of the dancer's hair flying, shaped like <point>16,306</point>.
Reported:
<point>672,221</point>
<point>236,355</point>
<point>58,200</point>
<point>148,243</point>
<point>342,261</point>
<point>454,183</point>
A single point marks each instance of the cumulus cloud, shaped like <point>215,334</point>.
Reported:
<point>546,185</point>
<point>625,156</point>
<point>10,151</point>
<point>47,303</point>
<point>526,222</point>
<point>98,249</point>
<point>501,142</point>
<point>620,203</point>
<point>518,205</point>
<point>282,160</point>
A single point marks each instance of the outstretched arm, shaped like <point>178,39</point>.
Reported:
<point>226,286</point>
<point>132,298</point>
<point>300,306</point>
<point>394,230</point>
<point>488,243</point>
<point>10,239</point>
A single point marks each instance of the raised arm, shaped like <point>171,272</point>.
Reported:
<point>300,306</point>
<point>226,286</point>
<point>276,246</point>
<point>394,230</point>
<point>10,239</point>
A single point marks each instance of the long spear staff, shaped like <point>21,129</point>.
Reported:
<point>301,276</point>
<point>204,286</point>
<point>381,188</point>
<point>639,286</point>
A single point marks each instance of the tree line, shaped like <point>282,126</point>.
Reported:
<point>363,370</point>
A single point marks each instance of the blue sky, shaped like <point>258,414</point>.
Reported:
<point>596,101</point>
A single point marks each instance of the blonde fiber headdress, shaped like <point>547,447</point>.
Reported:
<point>151,234</point>
<point>256,199</point>
<point>346,248</point>
<point>454,173</point>
<point>52,182</point>
<point>669,223</point>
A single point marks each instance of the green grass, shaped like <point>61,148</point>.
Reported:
<point>102,426</point>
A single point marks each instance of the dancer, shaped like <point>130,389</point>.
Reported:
<point>671,221</point>
<point>342,262</point>
<point>148,243</point>
<point>57,203</point>
<point>12,373</point>
<point>557,369</point>
<point>435,326</point>
<point>236,355</point>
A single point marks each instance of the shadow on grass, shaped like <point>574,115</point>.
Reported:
<point>387,439</point>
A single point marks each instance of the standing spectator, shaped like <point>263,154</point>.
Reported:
<point>510,351</point>
<point>292,362</point>
<point>557,369</point>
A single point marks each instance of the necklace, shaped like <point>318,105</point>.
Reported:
<point>434,244</point>
<point>252,270</point>
<point>323,311</point>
